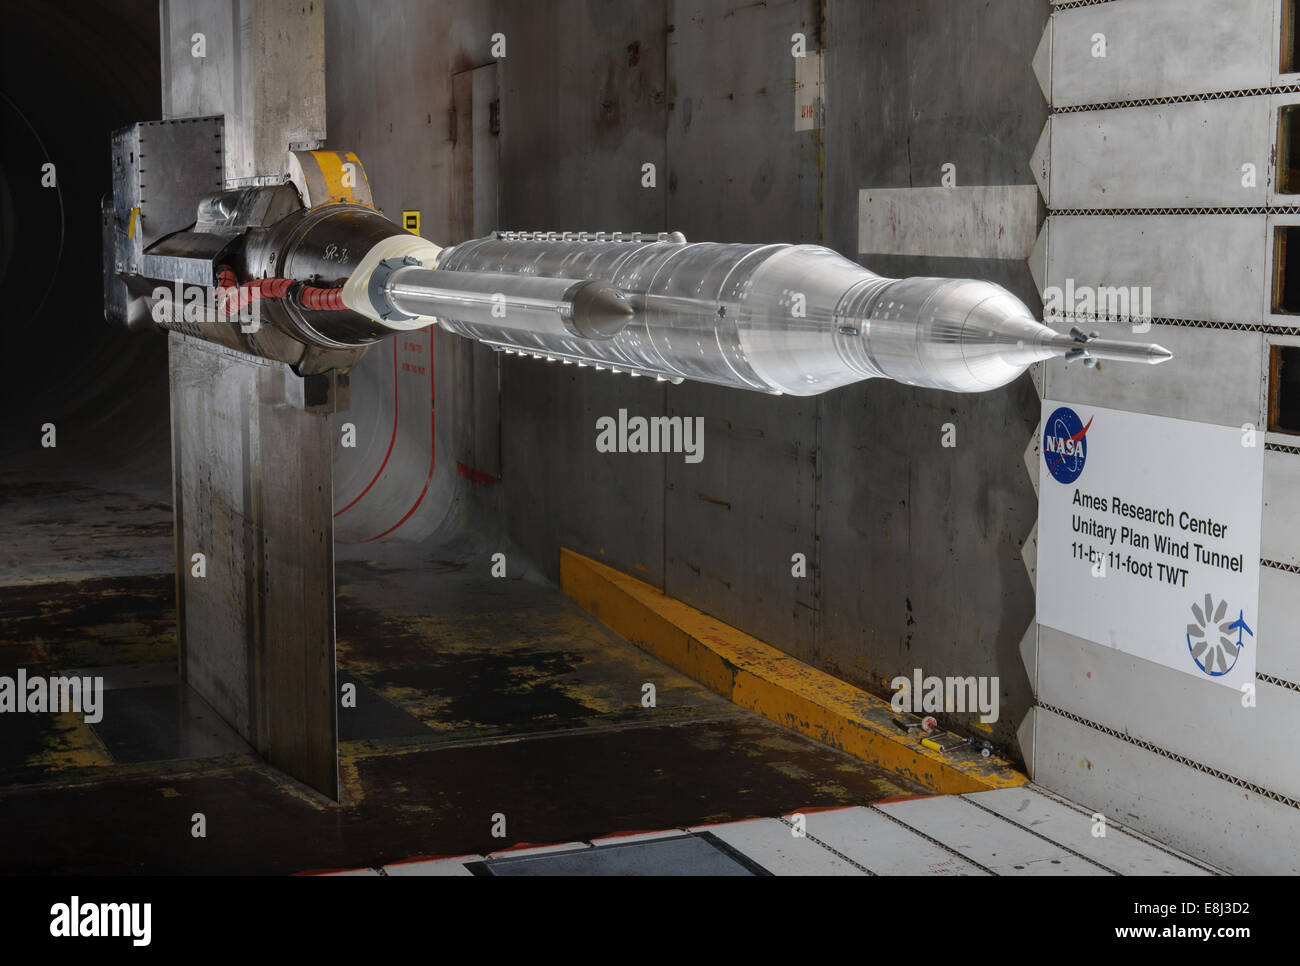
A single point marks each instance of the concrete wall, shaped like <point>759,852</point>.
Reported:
<point>913,549</point>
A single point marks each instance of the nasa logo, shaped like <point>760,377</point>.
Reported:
<point>1064,445</point>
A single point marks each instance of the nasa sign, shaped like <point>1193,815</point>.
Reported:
<point>1148,537</point>
<point>1065,444</point>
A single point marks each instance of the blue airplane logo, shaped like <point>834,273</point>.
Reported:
<point>1240,625</point>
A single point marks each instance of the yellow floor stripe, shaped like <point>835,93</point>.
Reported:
<point>770,682</point>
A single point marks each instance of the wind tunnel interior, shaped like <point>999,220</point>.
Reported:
<point>64,93</point>
<point>465,683</point>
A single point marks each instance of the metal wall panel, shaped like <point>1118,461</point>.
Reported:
<point>999,221</point>
<point>585,86</point>
<point>1280,536</point>
<point>739,171</point>
<point>582,110</point>
<point>1202,815</point>
<point>921,543</point>
<point>1178,712</point>
<point>1158,48</point>
<point>734,520</point>
<point>252,492</point>
<point>913,86</point>
<point>262,66</point>
<point>1162,155</point>
<point>251,465</point>
<point>561,492</point>
<point>393,110</point>
<point>1279,622</point>
<point>1202,267</point>
<point>1166,390</point>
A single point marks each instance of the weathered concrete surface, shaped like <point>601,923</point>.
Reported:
<point>481,696</point>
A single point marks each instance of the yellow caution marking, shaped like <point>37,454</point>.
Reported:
<point>130,228</point>
<point>342,173</point>
<point>70,744</point>
<point>771,683</point>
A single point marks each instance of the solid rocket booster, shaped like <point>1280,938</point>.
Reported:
<point>797,319</point>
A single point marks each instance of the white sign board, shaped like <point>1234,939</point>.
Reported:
<point>1148,537</point>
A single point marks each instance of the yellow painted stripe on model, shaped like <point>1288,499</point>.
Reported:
<point>130,228</point>
<point>770,682</point>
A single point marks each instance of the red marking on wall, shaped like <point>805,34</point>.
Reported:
<point>391,441</point>
<point>432,448</point>
<point>477,476</point>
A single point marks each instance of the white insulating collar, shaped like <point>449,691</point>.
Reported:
<point>356,291</point>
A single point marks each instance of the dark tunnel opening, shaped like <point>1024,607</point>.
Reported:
<point>72,73</point>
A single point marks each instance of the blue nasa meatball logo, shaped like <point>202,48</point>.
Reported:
<point>1065,444</point>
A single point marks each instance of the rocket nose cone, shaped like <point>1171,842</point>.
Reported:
<point>600,311</point>
<point>1157,354</point>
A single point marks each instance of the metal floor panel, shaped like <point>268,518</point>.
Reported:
<point>1032,833</point>
<point>437,867</point>
<point>989,840</point>
<point>773,844</point>
<point>883,846</point>
<point>1123,851</point>
<point>700,853</point>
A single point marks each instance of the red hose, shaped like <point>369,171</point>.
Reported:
<point>321,299</point>
<point>234,296</point>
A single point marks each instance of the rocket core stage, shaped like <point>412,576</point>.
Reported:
<point>797,319</point>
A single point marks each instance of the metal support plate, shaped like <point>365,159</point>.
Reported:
<point>252,493</point>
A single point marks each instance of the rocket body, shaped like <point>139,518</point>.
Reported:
<point>796,319</point>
